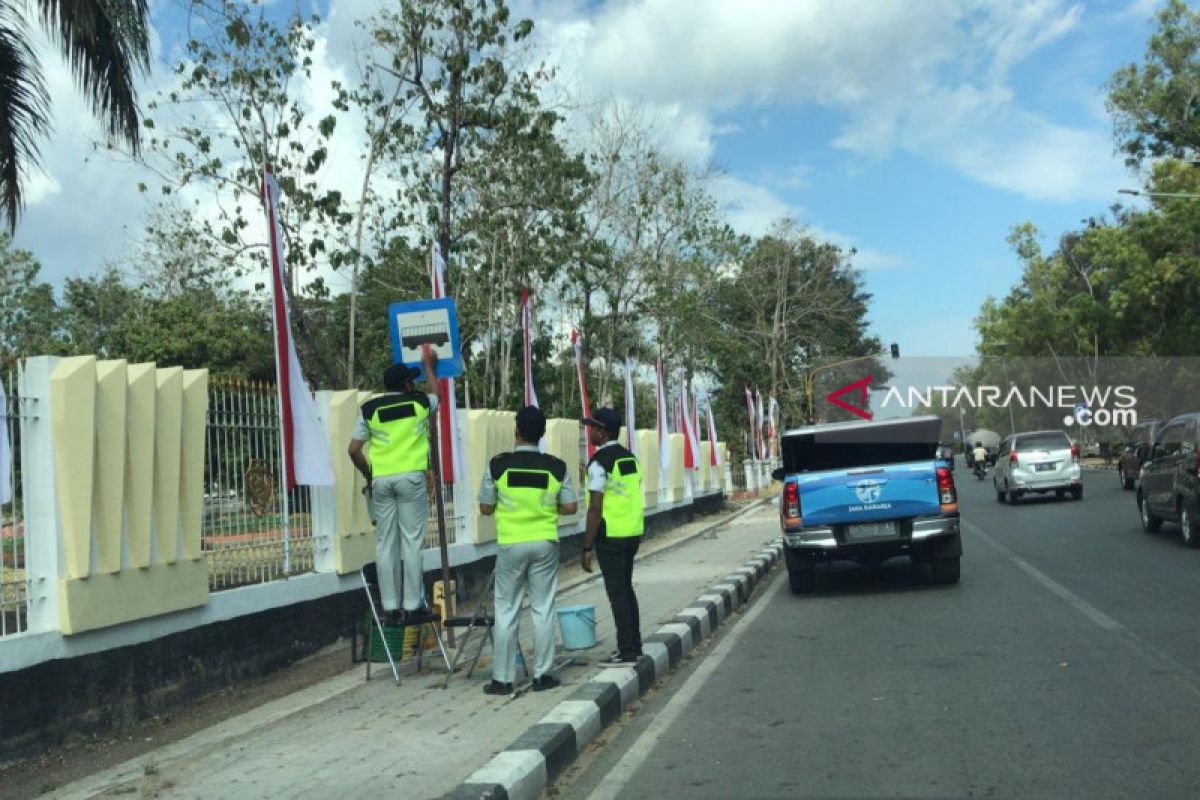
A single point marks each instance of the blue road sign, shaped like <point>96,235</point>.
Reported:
<point>433,322</point>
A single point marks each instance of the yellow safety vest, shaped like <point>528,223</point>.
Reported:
<point>399,426</point>
<point>624,505</point>
<point>528,484</point>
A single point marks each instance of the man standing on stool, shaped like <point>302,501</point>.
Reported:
<point>397,426</point>
<point>526,490</point>
<point>615,521</point>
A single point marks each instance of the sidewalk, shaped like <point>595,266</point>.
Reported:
<point>348,737</point>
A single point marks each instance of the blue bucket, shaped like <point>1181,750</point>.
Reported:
<point>578,626</point>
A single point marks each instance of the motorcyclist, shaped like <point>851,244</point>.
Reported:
<point>979,457</point>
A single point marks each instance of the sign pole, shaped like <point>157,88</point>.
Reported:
<point>440,502</point>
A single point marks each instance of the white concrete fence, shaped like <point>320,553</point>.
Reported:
<point>120,508</point>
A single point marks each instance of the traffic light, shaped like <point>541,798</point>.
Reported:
<point>895,350</point>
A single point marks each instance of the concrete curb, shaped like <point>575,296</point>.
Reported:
<point>541,754</point>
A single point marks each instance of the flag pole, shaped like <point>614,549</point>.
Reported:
<point>439,501</point>
<point>277,277</point>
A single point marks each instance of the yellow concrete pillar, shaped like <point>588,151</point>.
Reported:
<point>72,413</point>
<point>648,458</point>
<point>112,390</point>
<point>139,460</point>
<point>354,536</point>
<point>191,478</point>
<point>168,426</point>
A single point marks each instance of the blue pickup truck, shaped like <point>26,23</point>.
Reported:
<point>867,492</point>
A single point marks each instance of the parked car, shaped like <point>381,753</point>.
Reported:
<point>1037,462</point>
<point>867,492</point>
<point>1168,488</point>
<point>1136,451</point>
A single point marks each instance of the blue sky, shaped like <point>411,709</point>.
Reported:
<point>919,133</point>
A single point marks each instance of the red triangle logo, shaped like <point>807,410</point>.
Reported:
<point>860,410</point>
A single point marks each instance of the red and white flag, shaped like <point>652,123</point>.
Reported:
<point>6,482</point>
<point>449,449</point>
<point>752,441</point>
<point>305,447</point>
<point>577,345</point>
<point>691,442</point>
<point>526,326</point>
<point>758,424</point>
<point>630,419</point>
<point>714,457</point>
<point>664,441</point>
<point>773,423</point>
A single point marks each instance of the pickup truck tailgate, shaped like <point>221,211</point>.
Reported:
<point>869,494</point>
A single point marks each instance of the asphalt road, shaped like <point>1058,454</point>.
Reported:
<point>1065,664</point>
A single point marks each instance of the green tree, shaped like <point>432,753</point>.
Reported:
<point>106,45</point>
<point>790,304</point>
<point>1156,106</point>
<point>234,110</point>
<point>28,312</point>
<point>451,56</point>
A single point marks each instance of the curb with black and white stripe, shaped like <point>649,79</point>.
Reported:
<point>539,755</point>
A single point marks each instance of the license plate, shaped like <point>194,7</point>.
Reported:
<point>871,530</point>
<point>1045,467</point>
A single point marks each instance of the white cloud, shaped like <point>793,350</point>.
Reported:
<point>754,209</point>
<point>83,207</point>
<point>935,83</point>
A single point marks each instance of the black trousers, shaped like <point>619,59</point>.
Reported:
<point>615,557</point>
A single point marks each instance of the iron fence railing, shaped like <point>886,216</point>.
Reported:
<point>248,536</point>
<point>737,474</point>
<point>14,580</point>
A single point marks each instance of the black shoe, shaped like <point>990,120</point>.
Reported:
<point>392,619</point>
<point>546,682</point>
<point>497,688</point>
<point>618,660</point>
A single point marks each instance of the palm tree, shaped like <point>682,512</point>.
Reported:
<point>106,45</point>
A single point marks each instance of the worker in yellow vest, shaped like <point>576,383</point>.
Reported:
<point>394,427</point>
<point>615,522</point>
<point>526,490</point>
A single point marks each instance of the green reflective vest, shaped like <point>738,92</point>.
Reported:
<point>528,484</point>
<point>399,426</point>
<point>623,501</point>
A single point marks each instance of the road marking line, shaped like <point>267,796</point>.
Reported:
<point>1185,676</point>
<point>1078,603</point>
<point>622,772</point>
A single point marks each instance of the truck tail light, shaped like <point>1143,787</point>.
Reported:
<point>947,494</point>
<point>790,505</point>
<point>1012,457</point>
<point>1075,453</point>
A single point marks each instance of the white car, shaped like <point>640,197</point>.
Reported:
<point>1037,462</point>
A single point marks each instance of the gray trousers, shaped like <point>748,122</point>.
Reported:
<point>532,564</point>
<point>401,519</point>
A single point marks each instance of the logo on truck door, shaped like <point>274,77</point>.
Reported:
<point>868,491</point>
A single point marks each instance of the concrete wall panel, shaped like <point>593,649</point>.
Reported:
<point>112,390</point>
<point>168,427</point>
<point>138,476</point>
<point>191,466</point>
<point>72,413</point>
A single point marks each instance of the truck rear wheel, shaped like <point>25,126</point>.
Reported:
<point>945,570</point>
<point>802,580</point>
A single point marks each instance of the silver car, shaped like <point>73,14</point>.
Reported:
<point>1037,462</point>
